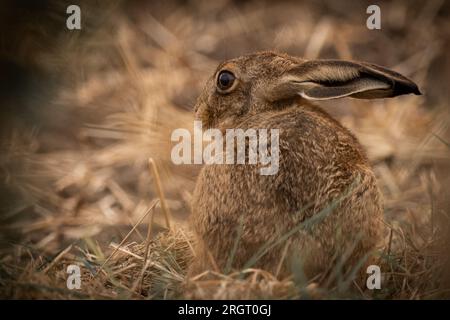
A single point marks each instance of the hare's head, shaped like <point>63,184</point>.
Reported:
<point>268,81</point>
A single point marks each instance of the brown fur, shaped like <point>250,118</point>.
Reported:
<point>321,162</point>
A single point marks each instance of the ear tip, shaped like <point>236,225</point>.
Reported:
<point>414,88</point>
<point>407,88</point>
<point>417,91</point>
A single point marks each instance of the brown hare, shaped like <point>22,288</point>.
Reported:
<point>323,205</point>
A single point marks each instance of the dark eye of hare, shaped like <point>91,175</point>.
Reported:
<point>225,80</point>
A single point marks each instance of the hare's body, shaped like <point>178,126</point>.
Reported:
<point>322,206</point>
<point>321,165</point>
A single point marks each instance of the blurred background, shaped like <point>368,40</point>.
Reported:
<point>83,110</point>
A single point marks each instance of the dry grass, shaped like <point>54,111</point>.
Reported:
<point>79,183</point>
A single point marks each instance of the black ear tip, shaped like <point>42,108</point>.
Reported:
<point>414,88</point>
<point>408,87</point>
<point>417,91</point>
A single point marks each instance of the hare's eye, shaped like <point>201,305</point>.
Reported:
<point>225,80</point>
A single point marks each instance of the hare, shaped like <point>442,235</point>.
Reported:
<point>323,205</point>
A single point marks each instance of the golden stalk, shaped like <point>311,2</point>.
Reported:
<point>164,207</point>
<point>152,205</point>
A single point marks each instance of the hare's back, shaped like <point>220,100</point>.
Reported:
<point>309,134</point>
<point>318,158</point>
<point>318,161</point>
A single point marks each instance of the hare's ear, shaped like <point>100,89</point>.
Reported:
<point>331,79</point>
